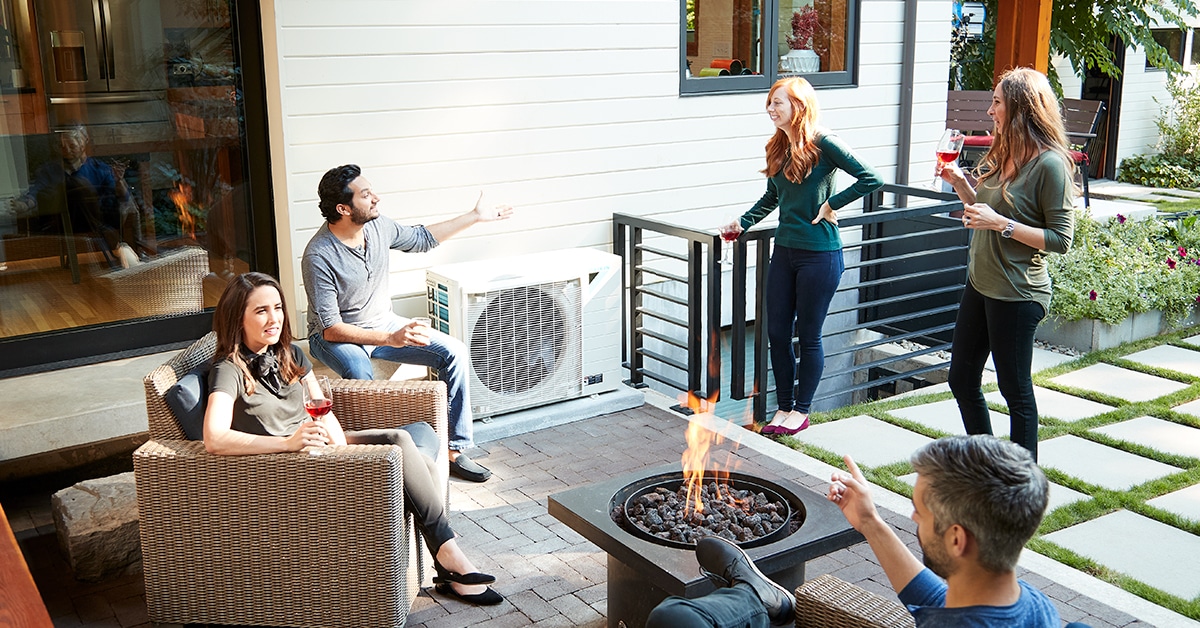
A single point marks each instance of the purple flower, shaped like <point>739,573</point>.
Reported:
<point>1182,252</point>
<point>1121,218</point>
<point>1170,263</point>
<point>1092,295</point>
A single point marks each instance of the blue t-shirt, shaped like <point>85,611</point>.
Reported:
<point>925,597</point>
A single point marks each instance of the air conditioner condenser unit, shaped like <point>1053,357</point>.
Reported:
<point>541,328</point>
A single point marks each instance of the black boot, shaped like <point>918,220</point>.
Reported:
<point>727,565</point>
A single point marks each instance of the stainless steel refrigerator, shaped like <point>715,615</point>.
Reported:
<point>104,67</point>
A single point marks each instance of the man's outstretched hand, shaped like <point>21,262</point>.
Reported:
<point>849,491</point>
<point>492,213</point>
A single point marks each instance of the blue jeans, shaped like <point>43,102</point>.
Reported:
<point>800,286</point>
<point>729,607</point>
<point>1005,329</point>
<point>445,354</point>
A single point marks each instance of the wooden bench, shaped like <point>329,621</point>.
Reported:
<point>20,602</point>
<point>966,110</point>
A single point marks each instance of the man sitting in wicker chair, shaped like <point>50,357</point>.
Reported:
<point>977,501</point>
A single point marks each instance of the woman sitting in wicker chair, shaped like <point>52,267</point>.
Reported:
<point>256,406</point>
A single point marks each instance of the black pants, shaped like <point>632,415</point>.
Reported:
<point>422,495</point>
<point>1005,329</point>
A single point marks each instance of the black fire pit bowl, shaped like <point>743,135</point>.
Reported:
<point>738,481</point>
<point>642,573</point>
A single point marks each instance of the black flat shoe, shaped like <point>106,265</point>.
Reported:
<point>469,470</point>
<point>445,575</point>
<point>487,598</point>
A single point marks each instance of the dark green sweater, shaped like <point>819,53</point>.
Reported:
<point>799,203</point>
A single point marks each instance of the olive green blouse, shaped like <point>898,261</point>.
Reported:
<point>1040,196</point>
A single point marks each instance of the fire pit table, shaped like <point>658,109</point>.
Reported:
<point>642,573</point>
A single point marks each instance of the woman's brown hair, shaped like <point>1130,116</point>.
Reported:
<point>800,145</point>
<point>228,322</point>
<point>1032,121</point>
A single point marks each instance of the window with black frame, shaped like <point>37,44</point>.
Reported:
<point>1172,40</point>
<point>745,45</point>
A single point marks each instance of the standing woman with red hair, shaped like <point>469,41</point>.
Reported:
<point>806,264</point>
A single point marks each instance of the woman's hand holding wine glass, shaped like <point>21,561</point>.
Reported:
<point>948,149</point>
<point>729,233</point>
<point>318,401</point>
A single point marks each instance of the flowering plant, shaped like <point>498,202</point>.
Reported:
<point>1119,267</point>
<point>805,25</point>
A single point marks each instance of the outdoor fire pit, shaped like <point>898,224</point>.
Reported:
<point>644,569</point>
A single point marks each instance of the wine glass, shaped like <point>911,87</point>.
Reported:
<point>318,407</point>
<point>728,235</point>
<point>948,149</point>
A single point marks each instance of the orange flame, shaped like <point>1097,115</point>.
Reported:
<point>695,459</point>
<point>182,197</point>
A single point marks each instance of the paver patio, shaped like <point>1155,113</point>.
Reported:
<point>549,575</point>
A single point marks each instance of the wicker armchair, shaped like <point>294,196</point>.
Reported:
<point>281,539</point>
<point>829,602</point>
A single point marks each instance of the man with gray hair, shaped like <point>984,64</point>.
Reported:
<point>977,501</point>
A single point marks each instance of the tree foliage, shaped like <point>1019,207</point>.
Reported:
<point>1080,31</point>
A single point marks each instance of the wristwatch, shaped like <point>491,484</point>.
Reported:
<point>1008,229</point>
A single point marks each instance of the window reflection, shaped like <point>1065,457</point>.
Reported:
<point>724,38</point>
<point>122,182</point>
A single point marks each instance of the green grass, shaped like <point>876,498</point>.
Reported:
<point>1100,501</point>
<point>1169,207</point>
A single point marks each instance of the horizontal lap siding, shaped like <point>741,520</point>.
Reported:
<point>567,110</point>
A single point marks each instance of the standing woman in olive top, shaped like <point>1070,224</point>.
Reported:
<point>806,265</point>
<point>1021,210</point>
<point>257,407</point>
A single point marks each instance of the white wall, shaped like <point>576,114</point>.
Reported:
<point>569,111</point>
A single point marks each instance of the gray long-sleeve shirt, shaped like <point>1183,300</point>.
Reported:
<point>349,285</point>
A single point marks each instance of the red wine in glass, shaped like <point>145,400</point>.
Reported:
<point>318,408</point>
<point>948,149</point>
<point>945,157</point>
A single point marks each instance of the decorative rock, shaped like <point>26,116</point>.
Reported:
<point>97,522</point>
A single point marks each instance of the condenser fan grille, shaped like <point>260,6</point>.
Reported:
<point>521,337</point>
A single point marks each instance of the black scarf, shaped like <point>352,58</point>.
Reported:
<point>265,369</point>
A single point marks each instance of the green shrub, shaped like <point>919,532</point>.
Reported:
<point>1177,164</point>
<point>1179,121</point>
<point>1120,266</point>
<point>1160,171</point>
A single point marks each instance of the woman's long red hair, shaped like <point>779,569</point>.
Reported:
<point>795,153</point>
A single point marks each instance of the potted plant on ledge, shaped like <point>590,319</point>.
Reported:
<point>806,24</point>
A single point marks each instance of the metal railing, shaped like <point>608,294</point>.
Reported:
<point>905,271</point>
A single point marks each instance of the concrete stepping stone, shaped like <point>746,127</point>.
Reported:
<point>1098,464</point>
<point>1042,360</point>
<point>1059,405</point>
<point>944,416</point>
<point>1158,434</point>
<point>1191,407</point>
<point>1184,502</point>
<point>1118,382</point>
<point>1194,340</point>
<point>1157,558</point>
<point>1059,494</point>
<point>867,439</point>
<point>1169,357</point>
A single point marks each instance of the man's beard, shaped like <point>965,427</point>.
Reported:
<point>362,218</point>
<point>938,562</point>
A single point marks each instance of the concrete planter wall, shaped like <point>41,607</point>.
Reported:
<point>1093,335</point>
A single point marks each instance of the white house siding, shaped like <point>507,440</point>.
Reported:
<point>1143,95</point>
<point>569,111</point>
